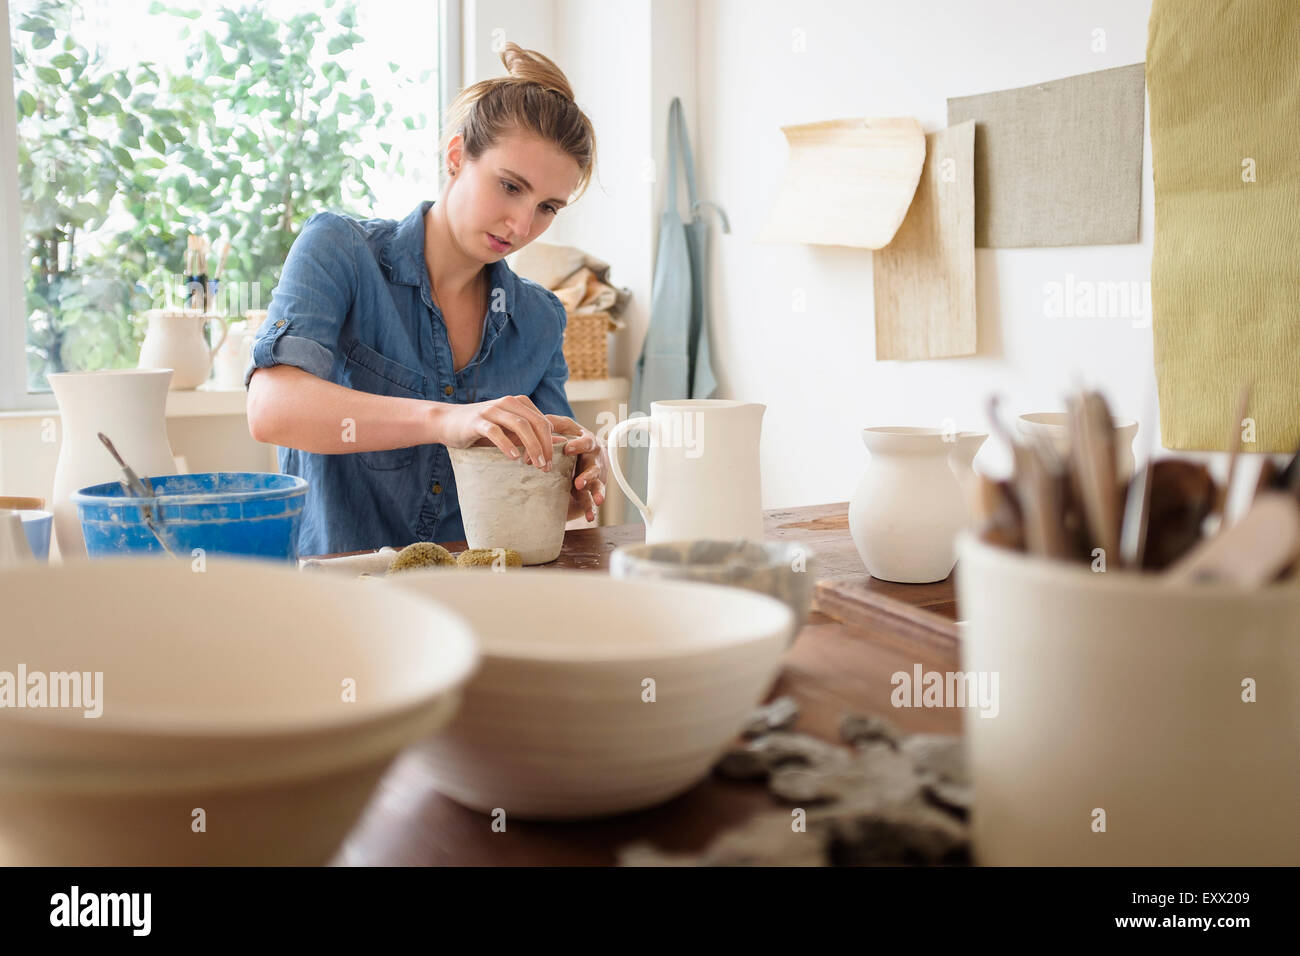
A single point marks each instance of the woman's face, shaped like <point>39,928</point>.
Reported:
<point>511,193</point>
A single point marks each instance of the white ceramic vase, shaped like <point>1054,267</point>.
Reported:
<point>174,339</point>
<point>127,405</point>
<point>910,505</point>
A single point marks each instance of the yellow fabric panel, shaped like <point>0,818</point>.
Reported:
<point>1224,90</point>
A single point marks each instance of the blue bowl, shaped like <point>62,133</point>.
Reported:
<point>238,514</point>
<point>37,525</point>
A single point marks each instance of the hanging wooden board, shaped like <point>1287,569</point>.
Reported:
<point>925,279</point>
<point>849,182</point>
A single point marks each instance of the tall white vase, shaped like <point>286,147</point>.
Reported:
<point>127,405</point>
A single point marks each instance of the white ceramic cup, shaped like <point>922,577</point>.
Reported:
<point>1137,722</point>
<point>1054,426</point>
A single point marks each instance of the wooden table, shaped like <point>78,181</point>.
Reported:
<point>831,669</point>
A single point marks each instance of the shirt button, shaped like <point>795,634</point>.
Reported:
<point>437,488</point>
<point>448,390</point>
<point>280,324</point>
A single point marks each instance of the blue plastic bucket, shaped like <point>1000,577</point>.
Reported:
<point>240,514</point>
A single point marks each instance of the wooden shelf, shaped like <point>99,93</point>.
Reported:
<point>207,399</point>
<point>597,389</point>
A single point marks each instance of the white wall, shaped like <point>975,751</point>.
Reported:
<point>626,60</point>
<point>816,370</point>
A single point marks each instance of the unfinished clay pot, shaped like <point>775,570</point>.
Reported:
<point>506,503</point>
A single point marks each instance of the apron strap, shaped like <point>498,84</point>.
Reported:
<point>676,129</point>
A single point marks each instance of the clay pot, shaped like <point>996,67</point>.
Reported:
<point>506,503</point>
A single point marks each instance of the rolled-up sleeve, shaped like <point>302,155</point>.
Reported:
<point>550,395</point>
<point>311,302</point>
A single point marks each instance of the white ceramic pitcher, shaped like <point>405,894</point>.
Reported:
<point>174,340</point>
<point>910,505</point>
<point>703,479</point>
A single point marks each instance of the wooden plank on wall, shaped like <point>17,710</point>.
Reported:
<point>925,279</point>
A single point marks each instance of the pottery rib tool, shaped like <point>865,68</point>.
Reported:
<point>1137,502</point>
<point>996,513</point>
<point>1234,444</point>
<point>1182,494</point>
<point>1288,479</point>
<point>132,485</point>
<point>1037,491</point>
<point>1093,462</point>
<point>1252,552</point>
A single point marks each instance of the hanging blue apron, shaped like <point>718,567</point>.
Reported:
<point>676,358</point>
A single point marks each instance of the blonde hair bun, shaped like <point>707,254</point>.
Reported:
<point>529,66</point>
<point>535,97</point>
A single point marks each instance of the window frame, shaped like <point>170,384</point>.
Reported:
<point>14,396</point>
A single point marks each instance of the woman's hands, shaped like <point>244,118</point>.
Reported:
<point>505,422</point>
<point>514,420</point>
<point>588,489</point>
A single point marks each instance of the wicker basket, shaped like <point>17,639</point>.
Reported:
<point>586,344</point>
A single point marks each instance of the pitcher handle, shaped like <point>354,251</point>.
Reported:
<point>611,445</point>
<point>225,331</point>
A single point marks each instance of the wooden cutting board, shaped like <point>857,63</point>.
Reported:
<point>849,182</point>
<point>925,613</point>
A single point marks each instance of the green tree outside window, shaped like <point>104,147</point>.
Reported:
<point>118,166</point>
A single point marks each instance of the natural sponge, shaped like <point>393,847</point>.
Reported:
<point>422,554</point>
<point>487,557</point>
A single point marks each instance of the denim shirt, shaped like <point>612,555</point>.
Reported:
<point>353,307</point>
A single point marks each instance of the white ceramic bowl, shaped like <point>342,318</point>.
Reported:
<point>785,570</point>
<point>222,691</point>
<point>1123,694</point>
<point>554,726</point>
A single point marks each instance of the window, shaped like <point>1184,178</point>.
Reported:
<point>143,127</point>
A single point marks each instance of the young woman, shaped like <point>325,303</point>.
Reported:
<point>387,342</point>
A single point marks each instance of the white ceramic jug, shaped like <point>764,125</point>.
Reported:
<point>703,479</point>
<point>127,405</point>
<point>174,340</point>
<point>910,505</point>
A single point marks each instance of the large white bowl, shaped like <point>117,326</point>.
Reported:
<point>555,724</point>
<point>1121,693</point>
<point>223,691</point>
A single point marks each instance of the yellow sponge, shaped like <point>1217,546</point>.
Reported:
<point>486,557</point>
<point>422,554</point>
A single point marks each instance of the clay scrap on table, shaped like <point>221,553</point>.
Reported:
<point>887,798</point>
